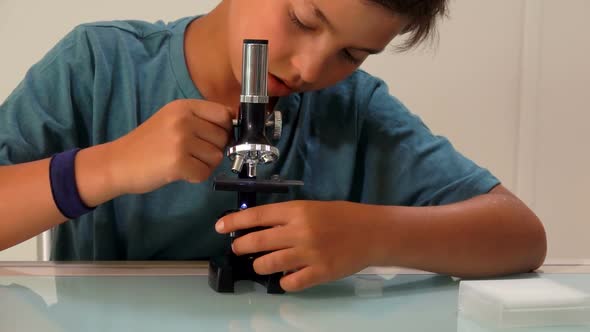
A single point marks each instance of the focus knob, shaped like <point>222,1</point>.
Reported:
<point>274,125</point>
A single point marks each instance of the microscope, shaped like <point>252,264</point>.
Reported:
<point>249,148</point>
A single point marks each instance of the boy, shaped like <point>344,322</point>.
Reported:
<point>150,108</point>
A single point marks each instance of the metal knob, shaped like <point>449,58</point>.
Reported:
<point>274,122</point>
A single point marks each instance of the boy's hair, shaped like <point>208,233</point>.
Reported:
<point>423,15</point>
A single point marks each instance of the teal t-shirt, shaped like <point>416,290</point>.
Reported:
<point>352,141</point>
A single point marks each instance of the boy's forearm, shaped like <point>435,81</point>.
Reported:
<point>492,234</point>
<point>27,207</point>
<point>26,202</point>
<point>95,175</point>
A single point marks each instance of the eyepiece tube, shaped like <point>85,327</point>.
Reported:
<point>254,71</point>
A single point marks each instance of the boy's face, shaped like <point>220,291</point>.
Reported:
<point>312,43</point>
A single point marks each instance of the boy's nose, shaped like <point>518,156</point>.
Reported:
<point>310,67</point>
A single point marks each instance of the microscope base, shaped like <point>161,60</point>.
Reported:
<point>224,271</point>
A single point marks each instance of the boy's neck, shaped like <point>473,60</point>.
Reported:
<point>207,56</point>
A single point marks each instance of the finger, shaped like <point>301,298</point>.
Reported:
<point>265,215</point>
<point>195,171</point>
<point>307,277</point>
<point>206,153</point>
<point>274,238</point>
<point>210,132</point>
<point>213,112</point>
<point>279,261</point>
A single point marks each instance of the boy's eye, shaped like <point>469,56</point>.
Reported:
<point>298,22</point>
<point>345,54</point>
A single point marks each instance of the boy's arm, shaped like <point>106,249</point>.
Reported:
<point>489,235</point>
<point>26,201</point>
<point>162,150</point>
<point>47,113</point>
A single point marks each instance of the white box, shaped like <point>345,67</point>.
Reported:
<point>523,302</point>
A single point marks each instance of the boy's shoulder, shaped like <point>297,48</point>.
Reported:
<point>359,81</point>
<point>113,38</point>
<point>360,76</point>
<point>361,91</point>
<point>133,28</point>
<point>358,87</point>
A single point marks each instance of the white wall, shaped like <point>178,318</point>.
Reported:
<point>561,126</point>
<point>505,85</point>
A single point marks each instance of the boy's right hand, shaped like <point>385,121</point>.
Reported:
<point>185,140</point>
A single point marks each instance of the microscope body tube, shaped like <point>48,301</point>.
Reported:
<point>254,97</point>
<point>252,118</point>
<point>252,147</point>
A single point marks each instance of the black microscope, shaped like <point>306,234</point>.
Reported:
<point>249,148</point>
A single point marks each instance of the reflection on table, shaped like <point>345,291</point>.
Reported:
<point>135,302</point>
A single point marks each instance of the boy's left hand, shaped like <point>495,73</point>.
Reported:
<point>320,241</point>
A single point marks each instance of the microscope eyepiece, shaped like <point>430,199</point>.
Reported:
<point>254,71</point>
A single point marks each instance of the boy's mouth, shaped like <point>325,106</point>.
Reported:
<point>277,87</point>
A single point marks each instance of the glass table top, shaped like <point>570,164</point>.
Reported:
<point>177,302</point>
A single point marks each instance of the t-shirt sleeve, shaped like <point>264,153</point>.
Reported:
<point>406,164</point>
<point>45,113</point>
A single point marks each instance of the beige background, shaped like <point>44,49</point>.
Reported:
<point>508,84</point>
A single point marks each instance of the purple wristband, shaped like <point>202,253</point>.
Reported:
<point>62,177</point>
